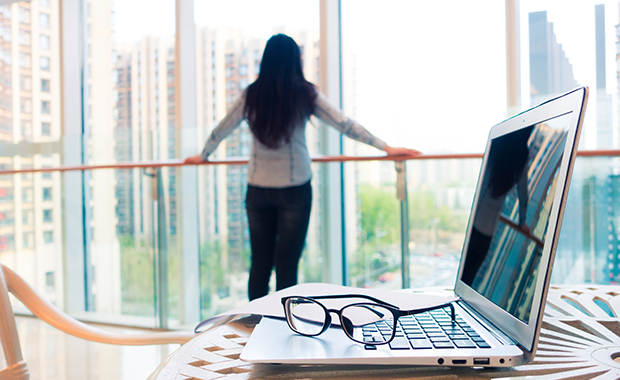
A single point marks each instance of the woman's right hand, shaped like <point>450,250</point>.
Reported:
<point>194,160</point>
<point>398,151</point>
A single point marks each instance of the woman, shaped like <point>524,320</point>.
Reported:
<point>279,196</point>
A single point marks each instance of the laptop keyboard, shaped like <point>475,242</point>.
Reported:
<point>428,330</point>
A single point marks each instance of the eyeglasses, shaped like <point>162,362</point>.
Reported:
<point>364,322</point>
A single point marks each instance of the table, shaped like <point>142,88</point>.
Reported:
<point>579,340</point>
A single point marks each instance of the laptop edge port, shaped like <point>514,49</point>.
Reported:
<point>459,361</point>
<point>482,361</point>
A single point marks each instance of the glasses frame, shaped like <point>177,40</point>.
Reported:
<point>396,313</point>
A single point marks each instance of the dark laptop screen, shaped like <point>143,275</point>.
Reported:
<point>512,214</point>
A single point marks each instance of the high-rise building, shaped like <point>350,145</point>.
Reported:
<point>30,204</point>
<point>550,69</point>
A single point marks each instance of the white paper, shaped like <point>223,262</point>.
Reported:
<point>271,304</point>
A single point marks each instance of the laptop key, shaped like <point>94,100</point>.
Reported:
<point>443,345</point>
<point>420,343</point>
<point>464,344</point>
<point>399,343</point>
<point>483,345</point>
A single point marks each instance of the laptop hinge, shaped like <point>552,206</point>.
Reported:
<point>497,333</point>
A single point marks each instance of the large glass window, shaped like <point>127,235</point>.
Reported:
<point>230,39</point>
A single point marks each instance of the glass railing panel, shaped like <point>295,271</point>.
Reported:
<point>373,233</point>
<point>440,193</point>
<point>589,243</point>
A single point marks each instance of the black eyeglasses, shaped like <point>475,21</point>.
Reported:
<point>363,322</point>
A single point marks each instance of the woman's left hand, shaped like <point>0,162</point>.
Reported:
<point>398,151</point>
<point>194,160</point>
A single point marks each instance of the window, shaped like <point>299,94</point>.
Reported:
<point>27,240</point>
<point>47,216</point>
<point>230,72</point>
<point>44,20</point>
<point>27,217</point>
<point>24,15</point>
<point>25,105</point>
<point>47,193</point>
<point>45,85</point>
<point>45,63</point>
<point>24,60</point>
<point>44,3</point>
<point>7,218</point>
<point>48,237</point>
<point>49,281</point>
<point>46,129</point>
<point>44,42</point>
<point>27,194</point>
<point>24,37</point>
<point>243,70</point>
<point>6,194</point>
<point>25,82</point>
<point>7,242</point>
<point>45,107</point>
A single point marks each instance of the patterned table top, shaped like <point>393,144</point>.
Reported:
<point>580,339</point>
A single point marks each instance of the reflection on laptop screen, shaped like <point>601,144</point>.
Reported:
<point>512,214</point>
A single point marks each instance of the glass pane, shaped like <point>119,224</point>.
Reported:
<point>130,117</point>
<point>230,45</point>
<point>558,54</point>
<point>31,225</point>
<point>400,72</point>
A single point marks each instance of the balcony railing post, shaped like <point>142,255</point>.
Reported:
<point>162,251</point>
<point>401,194</point>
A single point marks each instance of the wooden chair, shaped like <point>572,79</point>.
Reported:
<point>46,311</point>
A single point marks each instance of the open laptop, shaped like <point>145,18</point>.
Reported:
<point>505,266</point>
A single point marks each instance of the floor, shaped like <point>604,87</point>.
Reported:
<point>54,355</point>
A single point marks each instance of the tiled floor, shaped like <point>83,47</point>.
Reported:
<point>54,355</point>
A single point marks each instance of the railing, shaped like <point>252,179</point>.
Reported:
<point>160,239</point>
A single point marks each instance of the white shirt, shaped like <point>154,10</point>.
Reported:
<point>289,164</point>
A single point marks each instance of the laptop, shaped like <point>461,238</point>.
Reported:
<point>505,266</point>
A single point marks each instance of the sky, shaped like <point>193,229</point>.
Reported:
<point>429,75</point>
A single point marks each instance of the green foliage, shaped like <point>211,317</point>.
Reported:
<point>380,214</point>
<point>137,278</point>
<point>212,272</point>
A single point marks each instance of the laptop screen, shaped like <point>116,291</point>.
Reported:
<point>512,214</point>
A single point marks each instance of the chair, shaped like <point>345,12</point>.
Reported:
<point>46,311</point>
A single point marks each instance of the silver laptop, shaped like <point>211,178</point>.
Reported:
<point>505,265</point>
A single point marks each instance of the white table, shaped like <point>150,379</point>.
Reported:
<point>579,340</point>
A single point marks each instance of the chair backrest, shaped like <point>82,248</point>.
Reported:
<point>46,311</point>
<point>16,366</point>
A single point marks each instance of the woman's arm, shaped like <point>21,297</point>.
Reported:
<point>336,118</point>
<point>224,128</point>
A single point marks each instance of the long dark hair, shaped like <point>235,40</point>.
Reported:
<point>281,97</point>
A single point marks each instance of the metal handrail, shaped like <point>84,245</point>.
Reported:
<point>245,160</point>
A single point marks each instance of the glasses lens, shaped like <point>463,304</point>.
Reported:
<point>305,316</point>
<point>368,323</point>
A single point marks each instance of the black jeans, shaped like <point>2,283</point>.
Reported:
<point>278,220</point>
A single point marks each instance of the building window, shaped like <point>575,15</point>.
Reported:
<point>229,72</point>
<point>24,38</point>
<point>47,216</point>
<point>45,85</point>
<point>24,15</point>
<point>27,217</point>
<point>49,281</point>
<point>47,193</point>
<point>24,60</point>
<point>45,63</point>
<point>44,20</point>
<point>7,242</point>
<point>48,237</point>
<point>27,240</point>
<point>27,194</point>
<point>243,70</point>
<point>44,42</point>
<point>45,107</point>
<point>46,129</point>
<point>25,105</point>
<point>25,83</point>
